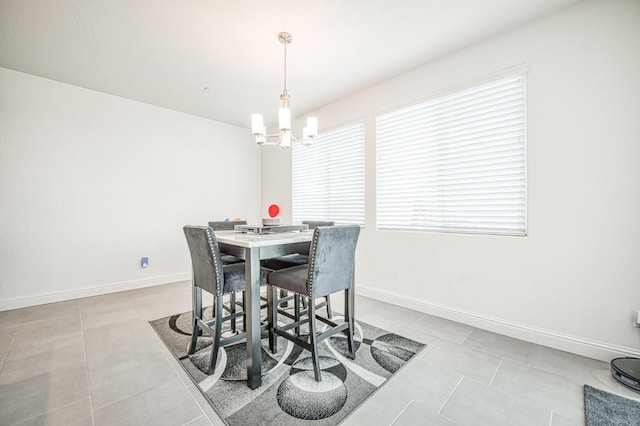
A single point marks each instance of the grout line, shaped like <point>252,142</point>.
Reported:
<point>450,395</point>
<point>496,372</point>
<point>198,403</point>
<point>551,418</point>
<point>193,420</point>
<point>4,358</point>
<point>533,350</point>
<point>429,348</point>
<point>12,341</point>
<point>173,361</point>
<point>86,359</point>
<point>6,355</point>
<point>468,335</point>
<point>46,413</point>
<point>401,412</point>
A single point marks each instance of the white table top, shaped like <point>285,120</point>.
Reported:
<point>240,239</point>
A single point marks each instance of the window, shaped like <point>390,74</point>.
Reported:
<point>328,177</point>
<point>456,163</point>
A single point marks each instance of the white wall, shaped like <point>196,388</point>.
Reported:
<point>574,281</point>
<point>90,183</point>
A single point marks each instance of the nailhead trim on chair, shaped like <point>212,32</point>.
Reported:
<point>312,262</point>
<point>215,264</point>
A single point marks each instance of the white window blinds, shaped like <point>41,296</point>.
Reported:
<point>328,177</point>
<point>456,163</point>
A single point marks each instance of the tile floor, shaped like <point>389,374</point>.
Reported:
<point>97,361</point>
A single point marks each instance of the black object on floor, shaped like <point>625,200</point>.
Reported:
<point>627,372</point>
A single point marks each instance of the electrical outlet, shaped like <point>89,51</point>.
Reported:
<point>144,262</point>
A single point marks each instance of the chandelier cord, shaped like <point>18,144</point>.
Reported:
<point>285,67</point>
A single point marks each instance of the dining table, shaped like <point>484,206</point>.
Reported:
<point>254,247</point>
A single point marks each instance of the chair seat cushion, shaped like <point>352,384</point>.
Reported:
<point>283,262</point>
<point>228,259</point>
<point>292,279</point>
<point>234,278</point>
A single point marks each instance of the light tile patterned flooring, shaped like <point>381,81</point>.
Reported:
<point>97,361</point>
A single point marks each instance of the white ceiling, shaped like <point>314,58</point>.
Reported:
<point>165,52</point>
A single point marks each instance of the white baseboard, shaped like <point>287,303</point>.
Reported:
<point>41,299</point>
<point>577,345</point>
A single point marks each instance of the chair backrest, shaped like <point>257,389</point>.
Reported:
<point>313,224</point>
<point>332,259</point>
<point>226,225</point>
<point>205,258</point>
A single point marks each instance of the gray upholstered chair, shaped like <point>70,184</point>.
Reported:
<point>209,274</point>
<point>298,259</point>
<point>227,225</point>
<point>228,259</point>
<point>330,269</point>
<point>295,259</point>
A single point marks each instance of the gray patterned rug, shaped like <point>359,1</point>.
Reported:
<point>604,408</point>
<point>289,394</point>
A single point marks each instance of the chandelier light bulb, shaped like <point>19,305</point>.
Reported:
<point>257,124</point>
<point>312,126</point>
<point>284,119</point>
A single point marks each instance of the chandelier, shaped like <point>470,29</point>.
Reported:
<point>284,136</point>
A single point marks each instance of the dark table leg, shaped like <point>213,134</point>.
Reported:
<point>252,270</point>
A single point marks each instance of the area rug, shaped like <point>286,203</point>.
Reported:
<point>289,395</point>
<point>604,408</point>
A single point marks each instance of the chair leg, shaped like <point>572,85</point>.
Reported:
<point>283,294</point>
<point>348,315</point>
<point>313,340</point>
<point>232,303</point>
<point>272,318</point>
<point>216,339</point>
<point>197,314</point>
<point>328,299</point>
<point>296,313</point>
<point>244,315</point>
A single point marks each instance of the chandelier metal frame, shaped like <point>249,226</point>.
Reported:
<point>284,136</point>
